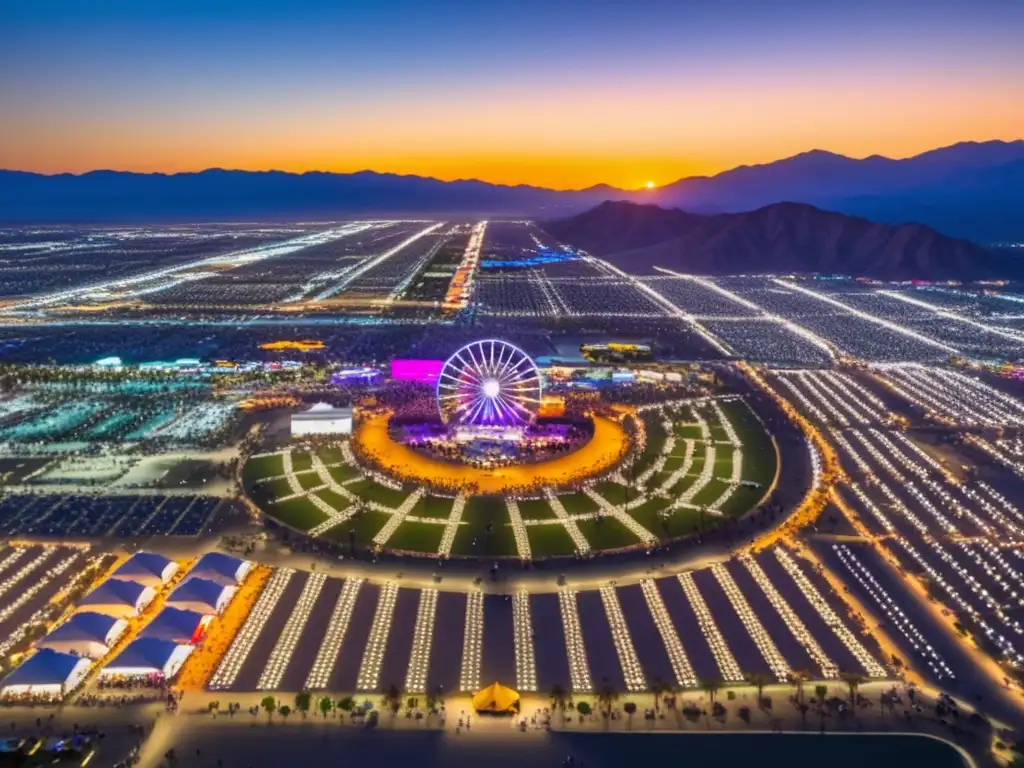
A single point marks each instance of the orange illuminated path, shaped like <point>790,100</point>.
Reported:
<point>606,447</point>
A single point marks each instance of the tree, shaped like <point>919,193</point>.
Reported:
<point>659,688</point>
<point>853,681</point>
<point>392,699</point>
<point>759,681</point>
<point>821,691</point>
<point>303,700</point>
<point>797,678</point>
<point>583,708</point>
<point>630,709</point>
<point>325,705</point>
<point>559,699</point>
<point>606,696</point>
<point>269,704</point>
<point>435,698</point>
<point>347,704</point>
<point>285,711</point>
<point>711,686</point>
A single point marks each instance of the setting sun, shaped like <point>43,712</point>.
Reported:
<point>649,185</point>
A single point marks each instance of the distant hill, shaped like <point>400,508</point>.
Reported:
<point>965,190</point>
<point>971,190</point>
<point>783,237</point>
<point>219,194</point>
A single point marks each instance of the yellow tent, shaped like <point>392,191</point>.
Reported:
<point>496,698</point>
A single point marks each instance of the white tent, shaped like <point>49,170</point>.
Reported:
<point>118,598</point>
<point>178,626</point>
<point>322,419</point>
<point>87,634</point>
<point>148,656</point>
<point>47,673</point>
<point>146,568</point>
<point>224,569</point>
<point>201,595</point>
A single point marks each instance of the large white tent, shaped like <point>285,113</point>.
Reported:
<point>118,598</point>
<point>146,568</point>
<point>46,673</point>
<point>224,569</point>
<point>178,626</point>
<point>86,634</point>
<point>322,419</point>
<point>201,595</point>
<point>148,656</point>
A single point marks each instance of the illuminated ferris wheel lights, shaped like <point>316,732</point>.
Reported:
<point>489,383</point>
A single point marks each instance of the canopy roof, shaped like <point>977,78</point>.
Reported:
<point>320,411</point>
<point>201,595</point>
<point>120,598</point>
<point>85,634</point>
<point>495,698</point>
<point>147,655</point>
<point>146,568</point>
<point>177,625</point>
<point>47,667</point>
<point>223,569</point>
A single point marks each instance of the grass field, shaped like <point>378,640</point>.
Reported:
<point>485,530</point>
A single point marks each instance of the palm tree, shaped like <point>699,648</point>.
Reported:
<point>711,686</point>
<point>797,678</point>
<point>630,709</point>
<point>269,704</point>
<point>658,688</point>
<point>325,705</point>
<point>559,699</point>
<point>606,696</point>
<point>346,704</point>
<point>393,700</point>
<point>303,700</point>
<point>759,681</point>
<point>853,681</point>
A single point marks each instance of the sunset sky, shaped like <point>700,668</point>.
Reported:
<point>556,93</point>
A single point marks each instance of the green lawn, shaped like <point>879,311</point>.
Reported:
<point>298,513</point>
<point>685,430</point>
<point>672,463</point>
<point>336,500</point>
<point>474,539</point>
<point>709,492</point>
<point>309,480</point>
<point>367,524</point>
<point>647,514</point>
<point>481,510</point>
<point>579,503</point>
<point>262,466</point>
<point>416,537</point>
<point>550,540</point>
<point>372,491</point>
<point>606,533</point>
<point>301,461</point>
<point>331,454</point>
<point>535,509</point>
<point>615,493</point>
<point>343,474</point>
<point>275,489</point>
<point>433,506</point>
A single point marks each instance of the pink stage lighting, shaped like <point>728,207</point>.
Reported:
<point>426,371</point>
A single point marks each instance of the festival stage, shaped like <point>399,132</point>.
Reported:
<point>607,446</point>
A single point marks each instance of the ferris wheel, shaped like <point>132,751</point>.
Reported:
<point>489,383</point>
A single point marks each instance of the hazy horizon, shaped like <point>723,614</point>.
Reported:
<point>560,95</point>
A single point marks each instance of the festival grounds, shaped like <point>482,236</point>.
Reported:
<point>606,447</point>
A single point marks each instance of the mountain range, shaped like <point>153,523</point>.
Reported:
<point>970,190</point>
<point>778,238</point>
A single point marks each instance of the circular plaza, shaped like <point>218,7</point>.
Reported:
<point>483,466</point>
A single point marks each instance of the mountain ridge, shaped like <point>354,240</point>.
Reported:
<point>959,190</point>
<point>778,238</point>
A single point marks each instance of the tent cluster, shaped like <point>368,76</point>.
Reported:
<point>64,657</point>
